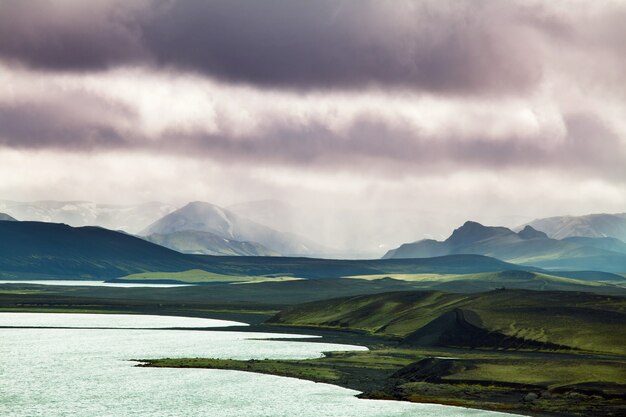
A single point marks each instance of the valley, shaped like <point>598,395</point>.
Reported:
<point>489,318</point>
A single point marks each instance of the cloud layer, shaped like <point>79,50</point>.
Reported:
<point>414,95</point>
<point>431,45</point>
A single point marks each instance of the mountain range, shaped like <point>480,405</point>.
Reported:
<point>38,250</point>
<point>528,247</point>
<point>276,228</point>
<point>205,228</point>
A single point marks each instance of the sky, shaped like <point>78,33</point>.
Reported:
<point>396,118</point>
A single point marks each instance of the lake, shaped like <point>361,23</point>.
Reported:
<point>90,283</point>
<point>84,369</point>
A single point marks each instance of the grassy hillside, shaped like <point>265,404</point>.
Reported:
<point>198,276</point>
<point>505,318</point>
<point>486,281</point>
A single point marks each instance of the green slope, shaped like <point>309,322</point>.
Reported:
<point>497,319</point>
<point>514,279</point>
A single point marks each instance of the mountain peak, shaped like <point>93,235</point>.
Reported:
<point>530,232</point>
<point>472,231</point>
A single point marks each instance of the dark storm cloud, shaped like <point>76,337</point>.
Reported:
<point>69,35</point>
<point>440,46</point>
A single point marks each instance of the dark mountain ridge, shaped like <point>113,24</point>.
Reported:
<point>30,250</point>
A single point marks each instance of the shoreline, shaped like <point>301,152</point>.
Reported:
<point>372,373</point>
<point>422,375</point>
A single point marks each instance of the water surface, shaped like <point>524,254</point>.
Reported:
<point>90,283</point>
<point>55,372</point>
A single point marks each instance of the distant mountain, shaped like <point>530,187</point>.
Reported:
<point>605,243</point>
<point>130,218</point>
<point>206,217</point>
<point>206,243</point>
<point>6,218</point>
<point>591,225</point>
<point>528,247</point>
<point>36,250</point>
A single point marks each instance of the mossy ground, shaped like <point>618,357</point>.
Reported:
<point>550,384</point>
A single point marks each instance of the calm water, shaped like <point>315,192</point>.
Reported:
<point>86,372</point>
<point>89,283</point>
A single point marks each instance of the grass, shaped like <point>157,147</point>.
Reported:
<point>192,276</point>
<point>62,310</point>
<point>198,276</point>
<point>19,292</point>
<point>586,380</point>
<point>294,369</point>
<point>548,373</point>
<point>580,321</point>
<point>408,277</point>
<point>485,380</point>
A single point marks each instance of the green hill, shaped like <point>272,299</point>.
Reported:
<point>513,279</point>
<point>497,319</point>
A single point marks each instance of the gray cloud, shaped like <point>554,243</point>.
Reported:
<point>370,142</point>
<point>471,47</point>
<point>484,46</point>
<point>82,122</point>
<point>70,35</point>
<point>589,148</point>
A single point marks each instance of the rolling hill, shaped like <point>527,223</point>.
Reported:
<point>497,319</point>
<point>222,223</point>
<point>527,247</point>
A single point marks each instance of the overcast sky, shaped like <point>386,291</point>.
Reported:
<point>437,110</point>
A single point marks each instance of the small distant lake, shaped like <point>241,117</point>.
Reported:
<point>85,371</point>
<point>90,283</point>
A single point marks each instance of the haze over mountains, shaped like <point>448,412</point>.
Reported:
<point>591,225</point>
<point>6,217</point>
<point>130,218</point>
<point>529,247</point>
<point>200,226</point>
<point>275,228</point>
